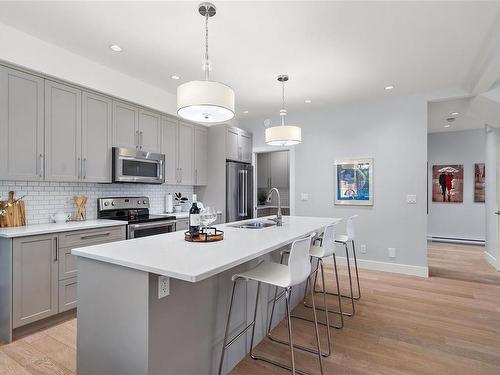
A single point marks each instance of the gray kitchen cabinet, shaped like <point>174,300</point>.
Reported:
<point>149,131</point>
<point>186,154</point>
<point>182,225</point>
<point>63,115</point>
<point>169,141</point>
<point>34,278</point>
<point>125,125</point>
<point>263,172</point>
<point>238,145</point>
<point>200,155</point>
<point>279,169</point>
<point>21,126</point>
<point>68,294</point>
<point>97,131</point>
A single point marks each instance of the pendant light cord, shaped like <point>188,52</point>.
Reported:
<point>283,110</point>
<point>207,63</point>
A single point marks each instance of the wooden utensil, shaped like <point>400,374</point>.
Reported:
<point>80,201</point>
<point>14,212</point>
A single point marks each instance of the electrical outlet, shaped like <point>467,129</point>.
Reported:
<point>392,252</point>
<point>363,249</point>
<point>411,199</point>
<point>163,286</point>
<point>304,197</point>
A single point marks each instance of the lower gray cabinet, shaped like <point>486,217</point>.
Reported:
<point>34,278</point>
<point>182,225</point>
<point>67,294</point>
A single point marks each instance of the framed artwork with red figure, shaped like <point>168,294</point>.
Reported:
<point>479,180</point>
<point>448,183</point>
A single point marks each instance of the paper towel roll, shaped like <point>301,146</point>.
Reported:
<point>169,203</point>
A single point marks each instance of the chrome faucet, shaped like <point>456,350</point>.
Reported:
<point>279,218</point>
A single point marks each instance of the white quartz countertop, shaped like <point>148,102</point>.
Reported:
<point>31,230</point>
<point>170,255</point>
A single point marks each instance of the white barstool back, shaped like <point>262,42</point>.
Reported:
<point>350,227</point>
<point>328,242</point>
<point>299,264</point>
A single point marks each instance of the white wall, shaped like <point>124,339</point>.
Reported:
<point>30,52</point>
<point>491,205</point>
<point>394,132</point>
<point>457,220</point>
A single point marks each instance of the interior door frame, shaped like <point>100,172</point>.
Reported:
<point>291,173</point>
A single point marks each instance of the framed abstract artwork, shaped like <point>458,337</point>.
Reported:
<point>479,180</point>
<point>354,182</point>
<point>448,183</point>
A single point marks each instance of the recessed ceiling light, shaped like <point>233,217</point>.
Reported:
<point>115,47</point>
<point>447,125</point>
<point>245,112</point>
<point>175,77</point>
<point>454,113</point>
<point>307,101</point>
<point>390,87</point>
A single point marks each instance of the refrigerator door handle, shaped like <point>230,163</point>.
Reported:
<point>241,193</point>
<point>245,207</point>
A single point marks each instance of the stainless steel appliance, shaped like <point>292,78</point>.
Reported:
<point>239,191</point>
<point>131,165</point>
<point>135,210</point>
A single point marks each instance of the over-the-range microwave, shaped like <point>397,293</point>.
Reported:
<point>131,165</point>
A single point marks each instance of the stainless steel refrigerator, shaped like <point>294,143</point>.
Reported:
<point>239,191</point>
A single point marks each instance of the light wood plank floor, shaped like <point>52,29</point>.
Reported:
<point>446,324</point>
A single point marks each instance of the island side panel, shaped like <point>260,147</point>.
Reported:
<point>5,290</point>
<point>112,319</point>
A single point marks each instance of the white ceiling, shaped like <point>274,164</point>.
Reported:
<point>333,51</point>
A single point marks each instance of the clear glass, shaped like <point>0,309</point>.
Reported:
<point>207,216</point>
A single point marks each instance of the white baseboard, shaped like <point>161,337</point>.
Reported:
<point>374,265</point>
<point>491,260</point>
<point>466,241</point>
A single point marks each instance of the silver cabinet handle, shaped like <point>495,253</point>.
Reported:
<point>137,141</point>
<point>180,175</point>
<point>41,165</point>
<point>106,234</point>
<point>55,250</point>
<point>84,168</point>
<point>195,176</point>
<point>142,138</point>
<point>79,168</point>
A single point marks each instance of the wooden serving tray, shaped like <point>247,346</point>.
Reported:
<point>218,235</point>
<point>15,212</point>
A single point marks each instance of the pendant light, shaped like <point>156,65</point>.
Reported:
<point>205,101</point>
<point>283,135</point>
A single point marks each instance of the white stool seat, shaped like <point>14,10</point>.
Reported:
<point>342,238</point>
<point>268,273</point>
<point>317,251</point>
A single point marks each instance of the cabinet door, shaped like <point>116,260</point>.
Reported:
<point>96,138</point>
<point>34,278</point>
<point>68,294</point>
<point>125,125</point>
<point>21,126</point>
<point>149,131</point>
<point>279,169</point>
<point>232,147</point>
<point>186,153</point>
<point>263,175</point>
<point>182,225</point>
<point>200,156</point>
<point>245,144</point>
<point>63,132</point>
<point>169,139</point>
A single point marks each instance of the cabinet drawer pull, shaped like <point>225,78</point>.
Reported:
<point>89,236</point>
<point>55,250</point>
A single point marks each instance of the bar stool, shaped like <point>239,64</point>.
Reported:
<point>283,276</point>
<point>324,250</point>
<point>344,240</point>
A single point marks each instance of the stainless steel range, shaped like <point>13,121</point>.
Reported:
<point>135,210</point>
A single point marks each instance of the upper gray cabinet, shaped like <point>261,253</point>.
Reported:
<point>97,130</point>
<point>169,142</point>
<point>272,169</point>
<point>125,125</point>
<point>21,126</point>
<point>149,131</point>
<point>186,153</point>
<point>63,115</point>
<point>238,145</point>
<point>200,155</point>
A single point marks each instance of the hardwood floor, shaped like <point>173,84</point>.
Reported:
<point>446,324</point>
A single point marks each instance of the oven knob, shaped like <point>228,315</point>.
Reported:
<point>113,203</point>
<point>144,201</point>
<point>106,203</point>
<point>138,202</point>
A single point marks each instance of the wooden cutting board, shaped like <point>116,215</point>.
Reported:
<point>15,212</point>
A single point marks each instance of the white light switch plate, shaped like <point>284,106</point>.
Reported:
<point>304,197</point>
<point>392,252</point>
<point>411,199</point>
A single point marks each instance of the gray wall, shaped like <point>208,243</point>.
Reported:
<point>394,132</point>
<point>491,194</point>
<point>457,220</point>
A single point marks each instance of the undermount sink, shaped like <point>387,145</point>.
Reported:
<point>257,224</point>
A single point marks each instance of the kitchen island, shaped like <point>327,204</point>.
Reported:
<point>124,328</point>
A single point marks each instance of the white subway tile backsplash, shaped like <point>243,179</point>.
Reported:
<point>45,198</point>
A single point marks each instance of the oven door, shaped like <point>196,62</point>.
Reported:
<point>150,229</point>
<point>130,165</point>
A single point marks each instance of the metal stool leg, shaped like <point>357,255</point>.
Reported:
<point>224,345</point>
<point>356,268</point>
<point>290,339</point>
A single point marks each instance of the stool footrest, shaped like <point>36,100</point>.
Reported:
<point>279,364</point>
<point>239,335</point>
<point>323,324</point>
